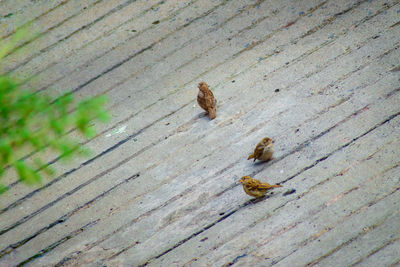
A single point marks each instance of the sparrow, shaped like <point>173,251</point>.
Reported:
<point>206,100</point>
<point>254,187</point>
<point>263,150</point>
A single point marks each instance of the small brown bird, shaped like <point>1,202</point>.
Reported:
<point>255,188</point>
<point>263,150</point>
<point>206,100</point>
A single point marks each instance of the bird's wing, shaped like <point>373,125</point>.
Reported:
<point>258,151</point>
<point>254,184</point>
<point>209,101</point>
<point>264,186</point>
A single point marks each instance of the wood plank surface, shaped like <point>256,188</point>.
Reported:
<point>320,77</point>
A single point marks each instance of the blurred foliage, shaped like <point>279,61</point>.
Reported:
<point>32,122</point>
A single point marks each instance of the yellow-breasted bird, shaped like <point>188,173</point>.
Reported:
<point>206,100</point>
<point>255,188</point>
<point>263,150</point>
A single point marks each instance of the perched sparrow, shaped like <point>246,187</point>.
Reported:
<point>206,100</point>
<point>263,150</point>
<point>255,188</point>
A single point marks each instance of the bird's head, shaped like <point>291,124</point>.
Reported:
<point>267,141</point>
<point>245,179</point>
<point>202,86</point>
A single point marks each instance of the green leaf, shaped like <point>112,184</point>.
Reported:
<point>90,132</point>
<point>3,188</point>
<point>7,85</point>
<point>41,166</point>
<point>26,173</point>
<point>5,151</point>
<point>58,126</point>
<point>21,34</point>
<point>32,122</point>
<point>104,116</point>
<point>67,148</point>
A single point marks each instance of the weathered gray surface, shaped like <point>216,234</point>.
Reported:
<point>162,186</point>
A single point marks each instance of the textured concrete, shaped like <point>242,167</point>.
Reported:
<point>320,77</point>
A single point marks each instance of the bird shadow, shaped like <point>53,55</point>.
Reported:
<point>259,162</point>
<point>204,115</point>
<point>257,200</point>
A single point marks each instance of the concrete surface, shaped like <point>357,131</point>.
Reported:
<point>320,77</point>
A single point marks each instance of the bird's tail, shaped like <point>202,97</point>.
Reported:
<point>276,185</point>
<point>250,157</point>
